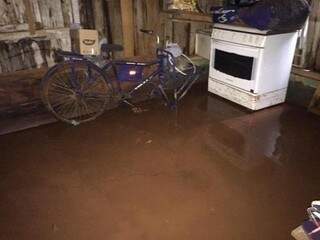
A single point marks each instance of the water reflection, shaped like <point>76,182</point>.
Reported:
<point>246,140</point>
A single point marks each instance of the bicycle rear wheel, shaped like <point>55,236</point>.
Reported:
<point>76,91</point>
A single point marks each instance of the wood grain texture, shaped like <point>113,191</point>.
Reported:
<point>315,102</point>
<point>24,92</point>
<point>51,14</point>
<point>100,23</point>
<point>127,27</point>
<point>26,53</point>
<point>147,15</point>
<point>313,38</point>
<point>86,14</point>
<point>12,12</point>
<point>30,16</point>
<point>114,24</point>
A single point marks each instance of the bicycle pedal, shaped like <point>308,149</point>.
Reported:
<point>75,123</point>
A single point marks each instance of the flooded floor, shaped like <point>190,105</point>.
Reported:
<point>209,171</point>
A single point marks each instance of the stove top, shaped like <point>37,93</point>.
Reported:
<point>239,28</point>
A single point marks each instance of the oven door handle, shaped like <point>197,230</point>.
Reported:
<point>234,48</point>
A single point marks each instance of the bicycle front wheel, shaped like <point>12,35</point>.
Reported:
<point>76,91</point>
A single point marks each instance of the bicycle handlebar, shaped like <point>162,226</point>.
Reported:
<point>67,54</point>
<point>147,31</point>
<point>151,32</point>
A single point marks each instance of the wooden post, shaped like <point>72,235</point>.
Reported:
<point>127,27</point>
<point>30,16</point>
<point>99,18</point>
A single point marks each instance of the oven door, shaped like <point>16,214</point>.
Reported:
<point>235,64</point>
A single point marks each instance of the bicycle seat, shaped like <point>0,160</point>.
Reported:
<point>106,47</point>
<point>68,54</point>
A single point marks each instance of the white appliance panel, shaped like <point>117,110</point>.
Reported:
<point>271,66</point>
<point>247,51</point>
<point>276,62</point>
<point>203,45</point>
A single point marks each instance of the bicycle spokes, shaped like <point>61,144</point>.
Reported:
<point>77,100</point>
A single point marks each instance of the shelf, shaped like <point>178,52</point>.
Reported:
<point>306,73</point>
<point>178,15</point>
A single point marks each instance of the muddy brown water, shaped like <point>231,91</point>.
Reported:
<point>209,171</point>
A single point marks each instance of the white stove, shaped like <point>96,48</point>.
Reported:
<point>250,67</point>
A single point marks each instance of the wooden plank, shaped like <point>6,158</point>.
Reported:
<point>75,12</point>
<point>205,5</point>
<point>12,12</point>
<point>306,73</point>
<point>127,27</point>
<point>37,14</point>
<point>315,102</point>
<point>30,16</point>
<point>86,14</point>
<point>51,14</point>
<point>147,15</point>
<point>14,28</point>
<point>181,32</point>
<point>66,6</point>
<point>17,53</point>
<point>317,63</point>
<point>190,17</point>
<point>100,18</point>
<point>114,16</point>
<point>20,91</point>
<point>313,37</point>
<point>192,36</point>
<point>168,30</point>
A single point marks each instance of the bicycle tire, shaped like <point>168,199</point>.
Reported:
<point>76,91</point>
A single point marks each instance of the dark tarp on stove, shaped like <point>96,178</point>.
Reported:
<point>276,15</point>
<point>241,3</point>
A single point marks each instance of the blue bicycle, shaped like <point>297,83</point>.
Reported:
<point>81,88</point>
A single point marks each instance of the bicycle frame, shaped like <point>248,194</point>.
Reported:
<point>80,88</point>
<point>160,62</point>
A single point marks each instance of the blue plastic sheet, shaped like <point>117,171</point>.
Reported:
<point>273,15</point>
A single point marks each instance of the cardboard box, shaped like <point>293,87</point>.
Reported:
<point>85,41</point>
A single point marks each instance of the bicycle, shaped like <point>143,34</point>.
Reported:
<point>81,88</point>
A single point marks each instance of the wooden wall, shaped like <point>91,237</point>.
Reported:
<point>30,31</point>
<point>50,21</point>
<point>46,22</point>
<point>147,14</point>
<point>313,43</point>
